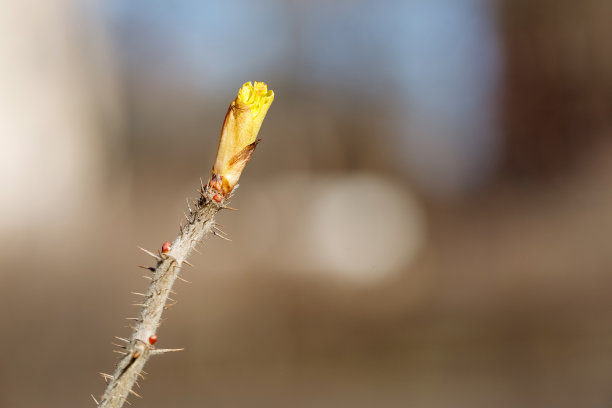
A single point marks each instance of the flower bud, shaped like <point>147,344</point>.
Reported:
<point>239,135</point>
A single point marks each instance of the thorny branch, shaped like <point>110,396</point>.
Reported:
<point>236,145</point>
<point>138,349</point>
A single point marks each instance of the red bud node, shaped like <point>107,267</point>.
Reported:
<point>153,339</point>
<point>217,198</point>
<point>167,246</point>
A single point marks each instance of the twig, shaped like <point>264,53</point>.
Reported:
<point>138,350</point>
<point>238,141</point>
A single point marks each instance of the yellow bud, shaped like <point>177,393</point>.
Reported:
<point>239,134</point>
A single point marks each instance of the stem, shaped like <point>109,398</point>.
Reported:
<point>137,349</point>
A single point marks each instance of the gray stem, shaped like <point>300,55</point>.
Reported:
<point>137,348</point>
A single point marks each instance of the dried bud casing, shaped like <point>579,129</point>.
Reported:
<point>239,135</point>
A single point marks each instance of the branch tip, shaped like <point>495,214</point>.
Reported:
<point>238,140</point>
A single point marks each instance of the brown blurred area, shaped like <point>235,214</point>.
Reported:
<point>426,222</point>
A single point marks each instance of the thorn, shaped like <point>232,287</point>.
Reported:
<point>152,269</point>
<point>138,293</point>
<point>149,253</point>
<point>163,351</point>
<point>196,249</point>
<point>123,353</point>
<point>121,338</point>
<point>138,304</point>
<point>221,236</point>
<point>215,228</point>
<point>135,393</point>
<point>147,277</point>
<point>133,318</point>
<point>144,372</point>
<point>187,218</point>
<point>227,207</point>
<point>118,345</point>
<point>169,298</point>
<point>128,402</point>
<point>181,227</point>
<point>184,280</point>
<point>188,206</point>
<point>201,184</point>
<point>188,263</point>
<point>94,398</point>
<point>141,376</point>
<point>106,377</point>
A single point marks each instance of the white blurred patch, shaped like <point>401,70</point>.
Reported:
<point>51,100</point>
<point>360,228</point>
<point>364,227</point>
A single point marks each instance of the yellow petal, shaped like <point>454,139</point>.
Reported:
<point>264,100</point>
<point>239,133</point>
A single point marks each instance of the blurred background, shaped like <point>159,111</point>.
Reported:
<point>426,223</point>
